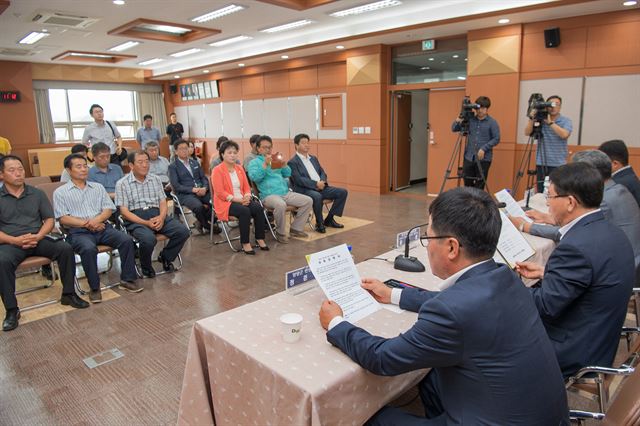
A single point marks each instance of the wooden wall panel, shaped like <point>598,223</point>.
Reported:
<point>569,55</point>
<point>364,110</point>
<point>332,75</point>
<point>496,55</point>
<point>231,89</point>
<point>364,69</point>
<point>363,174</point>
<point>275,82</point>
<point>253,85</point>
<point>333,158</point>
<point>612,45</point>
<point>303,78</point>
<point>89,73</point>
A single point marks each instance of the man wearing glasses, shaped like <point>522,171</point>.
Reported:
<point>585,287</point>
<point>490,358</point>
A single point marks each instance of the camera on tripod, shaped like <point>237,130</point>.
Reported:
<point>466,110</point>
<point>540,106</point>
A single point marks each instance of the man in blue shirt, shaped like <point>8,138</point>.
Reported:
<point>483,135</point>
<point>103,172</point>
<point>552,150</point>
<point>147,133</point>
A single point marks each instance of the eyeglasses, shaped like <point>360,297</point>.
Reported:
<point>424,239</point>
<point>550,197</point>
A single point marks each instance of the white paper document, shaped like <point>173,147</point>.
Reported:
<point>512,245</point>
<point>512,207</point>
<point>339,279</point>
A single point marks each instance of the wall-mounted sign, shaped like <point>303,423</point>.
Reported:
<point>197,91</point>
<point>9,96</point>
<point>428,44</point>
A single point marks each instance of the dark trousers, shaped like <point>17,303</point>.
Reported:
<point>244,215</point>
<point>146,237</point>
<point>12,256</point>
<point>200,206</point>
<point>541,172</point>
<point>85,243</point>
<point>338,195</point>
<point>430,396</point>
<point>472,176</point>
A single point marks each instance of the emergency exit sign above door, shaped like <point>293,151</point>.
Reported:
<point>428,44</point>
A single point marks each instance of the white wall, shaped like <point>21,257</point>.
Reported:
<point>419,115</point>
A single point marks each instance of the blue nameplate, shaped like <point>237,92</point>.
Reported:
<point>298,277</point>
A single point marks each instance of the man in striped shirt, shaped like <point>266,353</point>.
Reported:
<point>143,204</point>
<point>83,208</point>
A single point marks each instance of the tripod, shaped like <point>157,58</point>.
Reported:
<point>456,157</point>
<point>536,138</point>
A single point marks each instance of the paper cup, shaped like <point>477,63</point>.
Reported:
<point>291,326</point>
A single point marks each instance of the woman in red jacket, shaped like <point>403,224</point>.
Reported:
<point>232,197</point>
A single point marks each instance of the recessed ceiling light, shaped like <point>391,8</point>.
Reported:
<point>176,76</point>
<point>241,65</point>
<point>186,52</point>
<point>455,56</point>
<point>503,21</point>
<point>442,62</point>
<point>285,56</point>
<point>425,68</point>
<point>230,40</point>
<point>171,29</point>
<point>339,47</point>
<point>462,78</point>
<point>90,55</point>
<point>33,37</point>
<point>124,46</point>
<point>465,59</point>
<point>431,59</point>
<point>218,13</point>
<point>630,3</point>
<point>151,61</point>
<point>118,2</point>
<point>205,71</point>
<point>370,7</point>
<point>289,26</point>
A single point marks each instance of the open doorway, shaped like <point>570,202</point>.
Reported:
<point>409,144</point>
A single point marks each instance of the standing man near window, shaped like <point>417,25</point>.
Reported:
<point>147,133</point>
<point>484,134</point>
<point>175,131</point>
<point>106,132</point>
<point>552,152</point>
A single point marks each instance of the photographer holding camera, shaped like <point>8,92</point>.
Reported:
<point>554,130</point>
<point>483,135</point>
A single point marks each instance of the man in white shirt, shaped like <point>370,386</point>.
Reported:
<point>106,132</point>
<point>309,178</point>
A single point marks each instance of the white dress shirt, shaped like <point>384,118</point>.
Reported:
<point>306,160</point>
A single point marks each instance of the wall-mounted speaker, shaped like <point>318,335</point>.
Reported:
<point>552,37</point>
<point>173,88</point>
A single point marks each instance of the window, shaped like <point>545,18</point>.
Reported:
<point>70,111</point>
<point>410,64</point>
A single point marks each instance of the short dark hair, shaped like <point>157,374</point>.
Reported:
<point>173,113</point>
<point>616,150</point>
<point>554,97</point>
<point>133,154</point>
<point>94,106</point>
<point>471,216</point>
<point>179,142</point>
<point>263,138</point>
<point>297,138</point>
<point>99,147</point>
<point>253,139</point>
<point>597,159</point>
<point>9,158</point>
<point>220,140</point>
<point>580,180</point>
<point>151,144</point>
<point>70,157</point>
<point>226,145</point>
<point>147,116</point>
<point>483,101</point>
<point>78,148</point>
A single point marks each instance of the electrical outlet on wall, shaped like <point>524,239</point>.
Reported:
<point>356,130</point>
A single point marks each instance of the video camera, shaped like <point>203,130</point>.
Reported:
<point>540,106</point>
<point>466,110</point>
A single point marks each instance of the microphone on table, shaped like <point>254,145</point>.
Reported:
<point>404,262</point>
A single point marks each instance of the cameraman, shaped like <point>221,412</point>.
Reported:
<point>484,134</point>
<point>555,131</point>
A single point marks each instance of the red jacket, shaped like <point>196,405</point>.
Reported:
<point>222,188</point>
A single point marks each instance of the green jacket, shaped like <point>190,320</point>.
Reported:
<point>269,181</point>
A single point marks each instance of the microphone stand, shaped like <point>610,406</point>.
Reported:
<point>407,263</point>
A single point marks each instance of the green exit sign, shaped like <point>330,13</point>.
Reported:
<point>428,44</point>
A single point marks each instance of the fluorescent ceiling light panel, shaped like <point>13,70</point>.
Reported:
<point>89,55</point>
<point>370,7</point>
<point>289,26</point>
<point>33,37</point>
<point>218,13</point>
<point>124,46</point>
<point>186,52</point>
<point>163,29</point>
<point>151,61</point>
<point>231,40</point>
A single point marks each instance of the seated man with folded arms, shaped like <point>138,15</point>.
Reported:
<point>76,149</point>
<point>585,287</point>
<point>309,178</point>
<point>104,172</point>
<point>83,208</point>
<point>275,192</point>
<point>26,217</point>
<point>191,185</point>
<point>491,360</point>
<point>158,165</point>
<point>143,206</point>
<point>622,172</point>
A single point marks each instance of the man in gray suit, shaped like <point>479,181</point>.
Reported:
<point>618,206</point>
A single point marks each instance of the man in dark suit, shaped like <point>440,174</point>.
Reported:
<point>585,288</point>
<point>622,172</point>
<point>490,358</point>
<point>191,185</point>
<point>309,178</point>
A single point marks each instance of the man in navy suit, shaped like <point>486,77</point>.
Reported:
<point>585,288</point>
<point>490,358</point>
<point>190,184</point>
<point>308,178</point>
<point>622,172</point>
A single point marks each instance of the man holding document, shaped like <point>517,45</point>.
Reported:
<point>490,358</point>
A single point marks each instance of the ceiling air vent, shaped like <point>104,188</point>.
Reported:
<point>63,20</point>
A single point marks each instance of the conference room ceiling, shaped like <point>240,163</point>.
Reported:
<point>322,35</point>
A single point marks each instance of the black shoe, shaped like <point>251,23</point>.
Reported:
<point>216,229</point>
<point>166,265</point>
<point>251,252</point>
<point>11,320</point>
<point>333,224</point>
<point>74,301</point>
<point>320,228</point>
<point>264,248</point>
<point>148,273</point>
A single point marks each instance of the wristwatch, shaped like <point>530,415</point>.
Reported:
<point>521,227</point>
